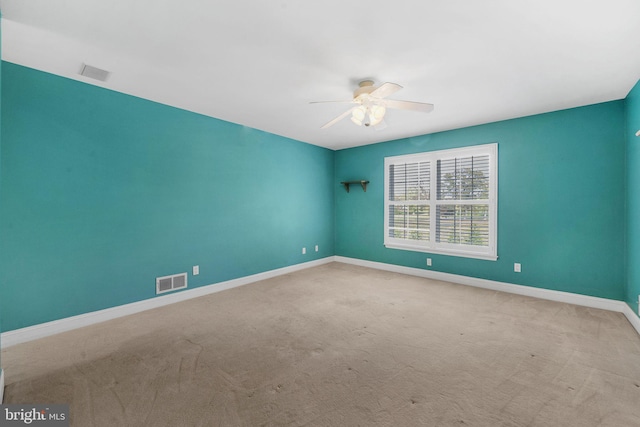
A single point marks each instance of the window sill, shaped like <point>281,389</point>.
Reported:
<point>488,257</point>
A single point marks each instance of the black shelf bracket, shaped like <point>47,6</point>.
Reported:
<point>348,183</point>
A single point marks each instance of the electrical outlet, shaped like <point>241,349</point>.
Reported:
<point>316,248</point>
<point>304,251</point>
<point>429,262</point>
<point>517,267</point>
<point>196,270</point>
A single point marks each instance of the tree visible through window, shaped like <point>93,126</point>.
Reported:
<point>460,219</point>
<point>462,179</point>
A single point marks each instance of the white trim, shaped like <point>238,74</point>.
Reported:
<point>489,252</point>
<point>51,328</point>
<point>1,386</point>
<point>632,317</point>
<point>429,250</point>
<point>548,294</point>
<point>62,325</point>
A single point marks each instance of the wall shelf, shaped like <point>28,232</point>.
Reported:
<point>363,183</point>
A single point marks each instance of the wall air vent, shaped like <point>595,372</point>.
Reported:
<point>171,283</point>
<point>94,73</point>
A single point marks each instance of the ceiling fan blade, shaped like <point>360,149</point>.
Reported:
<point>337,119</point>
<point>385,90</point>
<point>409,105</point>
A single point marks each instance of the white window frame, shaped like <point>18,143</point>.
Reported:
<point>489,252</point>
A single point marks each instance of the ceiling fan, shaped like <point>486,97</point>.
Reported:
<point>371,105</point>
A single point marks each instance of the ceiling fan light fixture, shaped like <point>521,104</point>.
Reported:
<point>376,114</point>
<point>358,115</point>
<point>373,121</point>
<point>372,103</point>
<point>378,111</point>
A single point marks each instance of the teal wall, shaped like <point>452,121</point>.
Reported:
<point>633,197</point>
<point>103,192</point>
<point>560,201</point>
<point>1,283</point>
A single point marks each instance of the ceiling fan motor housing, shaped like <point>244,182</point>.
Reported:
<point>365,87</point>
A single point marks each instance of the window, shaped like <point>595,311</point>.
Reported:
<point>443,202</point>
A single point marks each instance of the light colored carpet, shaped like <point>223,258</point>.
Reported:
<point>339,345</point>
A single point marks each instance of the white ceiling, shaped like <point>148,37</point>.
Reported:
<point>259,63</point>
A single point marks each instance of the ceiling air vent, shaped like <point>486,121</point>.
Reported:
<point>171,283</point>
<point>94,73</point>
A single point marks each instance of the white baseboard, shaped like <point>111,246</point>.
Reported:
<point>1,386</point>
<point>55,327</point>
<point>51,328</point>
<point>560,296</point>
<point>632,317</point>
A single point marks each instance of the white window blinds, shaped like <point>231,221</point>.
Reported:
<point>409,189</point>
<point>443,201</point>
